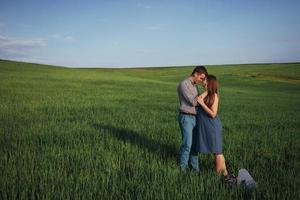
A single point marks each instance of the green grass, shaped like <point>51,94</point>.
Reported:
<point>113,133</point>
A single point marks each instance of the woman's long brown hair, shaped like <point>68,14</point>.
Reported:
<point>212,89</point>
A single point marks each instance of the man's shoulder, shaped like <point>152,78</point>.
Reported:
<point>181,84</point>
<point>184,81</point>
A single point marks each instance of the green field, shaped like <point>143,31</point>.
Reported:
<point>113,133</point>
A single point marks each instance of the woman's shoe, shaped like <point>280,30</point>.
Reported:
<point>231,180</point>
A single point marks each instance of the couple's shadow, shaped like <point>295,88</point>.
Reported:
<point>161,150</point>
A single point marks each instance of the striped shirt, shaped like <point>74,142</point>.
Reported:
<point>187,93</point>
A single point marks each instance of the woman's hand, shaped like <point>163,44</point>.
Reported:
<point>200,100</point>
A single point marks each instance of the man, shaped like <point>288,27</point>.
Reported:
<point>188,93</point>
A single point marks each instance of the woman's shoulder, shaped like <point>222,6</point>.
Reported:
<point>216,100</point>
<point>216,96</point>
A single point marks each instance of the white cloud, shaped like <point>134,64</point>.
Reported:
<point>69,39</point>
<point>14,48</point>
<point>22,43</point>
<point>66,38</point>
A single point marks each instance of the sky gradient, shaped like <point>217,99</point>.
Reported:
<point>134,33</point>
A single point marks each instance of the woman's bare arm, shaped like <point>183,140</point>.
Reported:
<point>214,108</point>
<point>203,95</point>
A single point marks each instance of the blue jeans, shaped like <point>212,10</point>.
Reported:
<point>187,124</point>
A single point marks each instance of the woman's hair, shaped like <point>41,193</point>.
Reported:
<point>212,89</point>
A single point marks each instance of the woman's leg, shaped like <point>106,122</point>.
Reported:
<point>220,164</point>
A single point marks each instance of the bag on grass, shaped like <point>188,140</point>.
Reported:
<point>245,179</point>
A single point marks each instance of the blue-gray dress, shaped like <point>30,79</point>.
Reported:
<point>207,136</point>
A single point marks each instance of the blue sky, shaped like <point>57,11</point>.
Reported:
<point>137,33</point>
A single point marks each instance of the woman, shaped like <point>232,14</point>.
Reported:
<point>208,134</point>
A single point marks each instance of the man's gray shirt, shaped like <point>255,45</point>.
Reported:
<point>187,93</point>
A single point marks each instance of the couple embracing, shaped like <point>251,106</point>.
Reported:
<point>201,129</point>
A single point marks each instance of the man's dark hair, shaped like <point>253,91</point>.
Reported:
<point>200,69</point>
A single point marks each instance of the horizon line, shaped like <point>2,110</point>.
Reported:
<point>149,67</point>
